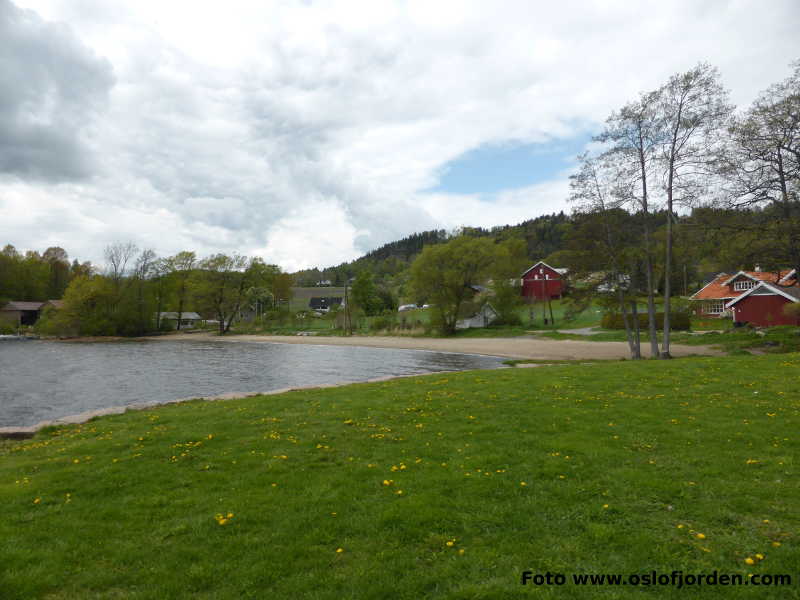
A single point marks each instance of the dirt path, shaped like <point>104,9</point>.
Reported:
<point>518,347</point>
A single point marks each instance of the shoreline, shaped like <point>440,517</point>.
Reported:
<point>13,432</point>
<point>518,348</point>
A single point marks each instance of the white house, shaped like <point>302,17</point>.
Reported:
<point>483,318</point>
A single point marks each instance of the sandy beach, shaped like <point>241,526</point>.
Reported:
<point>516,348</point>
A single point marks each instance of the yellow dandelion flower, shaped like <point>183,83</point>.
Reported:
<point>700,536</point>
<point>461,551</point>
<point>776,544</point>
<point>387,482</point>
<point>749,561</point>
<point>760,556</point>
<point>681,525</point>
<point>339,550</point>
<point>605,505</point>
<point>37,500</point>
<point>449,543</point>
<point>522,483</point>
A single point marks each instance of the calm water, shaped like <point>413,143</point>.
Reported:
<point>47,380</point>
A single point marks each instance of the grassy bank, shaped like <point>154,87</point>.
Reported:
<point>439,486</point>
<point>775,339</point>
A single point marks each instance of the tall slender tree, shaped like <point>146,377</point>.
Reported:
<point>693,111</point>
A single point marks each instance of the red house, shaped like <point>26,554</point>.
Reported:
<point>754,297</point>
<point>542,281</point>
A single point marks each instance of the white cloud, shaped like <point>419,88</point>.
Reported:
<point>307,132</point>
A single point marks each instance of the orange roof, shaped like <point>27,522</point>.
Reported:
<point>716,291</point>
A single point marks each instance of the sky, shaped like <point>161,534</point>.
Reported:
<point>308,133</point>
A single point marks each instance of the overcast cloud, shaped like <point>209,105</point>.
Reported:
<point>309,132</point>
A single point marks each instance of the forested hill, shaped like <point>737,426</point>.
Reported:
<point>544,235</point>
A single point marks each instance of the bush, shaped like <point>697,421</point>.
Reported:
<point>680,321</point>
<point>384,322</point>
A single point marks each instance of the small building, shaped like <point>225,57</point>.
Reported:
<point>324,304</point>
<point>189,320</point>
<point>26,313</point>
<point>542,282</point>
<point>715,299</point>
<point>485,316</point>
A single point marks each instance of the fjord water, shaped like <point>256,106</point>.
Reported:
<point>47,380</point>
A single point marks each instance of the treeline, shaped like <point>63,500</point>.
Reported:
<point>129,297</point>
<point>389,264</point>
<point>36,277</point>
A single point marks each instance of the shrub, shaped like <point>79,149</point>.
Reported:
<point>384,322</point>
<point>680,321</point>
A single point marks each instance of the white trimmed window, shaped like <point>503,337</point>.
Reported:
<point>744,285</point>
<point>715,307</point>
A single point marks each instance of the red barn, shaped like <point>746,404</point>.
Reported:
<point>542,281</point>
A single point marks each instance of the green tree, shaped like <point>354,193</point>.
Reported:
<point>442,275</point>
<point>219,286</point>
<point>365,295</point>
<point>180,269</point>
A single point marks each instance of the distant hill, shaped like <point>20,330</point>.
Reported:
<point>543,235</point>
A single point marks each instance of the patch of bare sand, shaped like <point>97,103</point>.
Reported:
<point>517,348</point>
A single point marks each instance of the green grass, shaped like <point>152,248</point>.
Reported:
<point>775,339</point>
<point>605,468</point>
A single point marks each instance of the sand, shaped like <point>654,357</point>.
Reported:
<point>516,347</point>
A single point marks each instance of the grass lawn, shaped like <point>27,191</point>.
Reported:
<point>442,486</point>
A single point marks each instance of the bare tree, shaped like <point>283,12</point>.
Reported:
<point>633,135</point>
<point>761,165</point>
<point>117,258</point>
<point>142,271</point>
<point>693,111</point>
<point>598,189</point>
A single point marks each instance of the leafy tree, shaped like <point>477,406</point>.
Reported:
<point>180,268</point>
<point>220,286</point>
<point>365,294</point>
<point>443,274</point>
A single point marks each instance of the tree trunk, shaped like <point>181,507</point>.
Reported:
<point>651,300</point>
<point>625,320</point>
<point>636,333</point>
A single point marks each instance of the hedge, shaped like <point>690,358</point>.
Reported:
<point>679,321</point>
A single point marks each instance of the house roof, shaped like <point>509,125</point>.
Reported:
<point>17,305</point>
<point>560,271</point>
<point>717,288</point>
<point>792,294</point>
